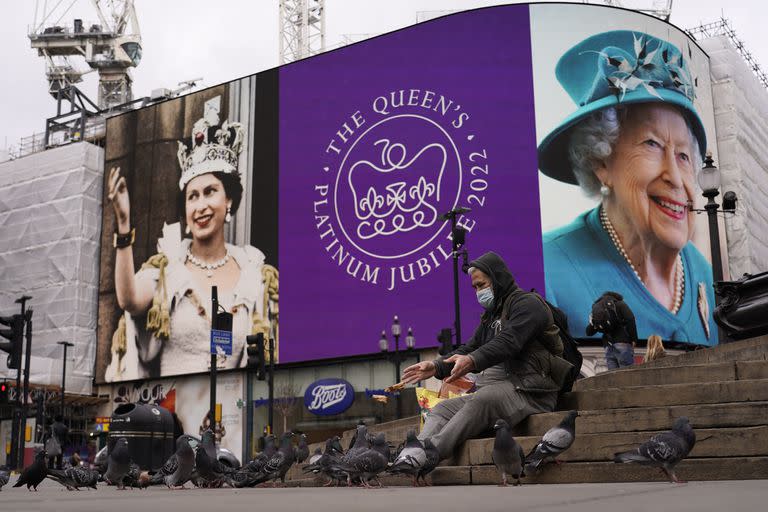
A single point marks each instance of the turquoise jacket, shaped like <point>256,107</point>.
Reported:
<point>581,262</point>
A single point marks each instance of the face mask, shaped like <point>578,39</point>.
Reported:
<point>485,297</point>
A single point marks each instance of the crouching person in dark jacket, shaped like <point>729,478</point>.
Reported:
<point>514,351</point>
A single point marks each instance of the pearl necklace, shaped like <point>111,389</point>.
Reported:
<point>679,270</point>
<point>210,267</point>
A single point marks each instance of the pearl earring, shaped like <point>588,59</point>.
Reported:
<point>605,190</point>
<point>228,216</point>
<point>188,230</point>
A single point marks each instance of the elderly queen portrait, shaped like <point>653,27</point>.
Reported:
<point>635,143</point>
<point>166,325</point>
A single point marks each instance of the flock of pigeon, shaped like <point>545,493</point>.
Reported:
<point>367,457</point>
<point>663,450</point>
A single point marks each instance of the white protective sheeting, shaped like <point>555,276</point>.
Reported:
<point>50,225</point>
<point>741,111</point>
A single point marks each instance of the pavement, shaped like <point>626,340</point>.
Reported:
<point>731,496</point>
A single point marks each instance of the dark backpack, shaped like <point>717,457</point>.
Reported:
<point>570,347</point>
<point>605,313</point>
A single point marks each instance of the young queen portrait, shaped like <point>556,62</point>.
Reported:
<point>165,328</point>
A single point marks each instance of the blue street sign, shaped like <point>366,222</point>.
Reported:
<point>221,342</point>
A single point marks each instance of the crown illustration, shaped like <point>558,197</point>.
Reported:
<point>211,148</point>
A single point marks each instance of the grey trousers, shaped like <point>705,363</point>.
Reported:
<point>455,420</point>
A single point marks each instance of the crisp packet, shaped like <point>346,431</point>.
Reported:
<point>427,399</point>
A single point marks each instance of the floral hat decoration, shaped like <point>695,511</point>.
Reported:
<point>618,68</point>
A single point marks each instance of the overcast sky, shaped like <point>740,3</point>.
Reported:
<point>226,39</point>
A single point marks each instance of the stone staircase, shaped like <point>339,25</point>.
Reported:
<point>723,390</point>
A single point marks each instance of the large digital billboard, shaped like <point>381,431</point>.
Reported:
<point>313,195</point>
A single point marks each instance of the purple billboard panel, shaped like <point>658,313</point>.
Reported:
<point>377,141</point>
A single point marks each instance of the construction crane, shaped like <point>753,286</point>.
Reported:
<point>302,29</point>
<point>109,46</point>
<point>661,9</point>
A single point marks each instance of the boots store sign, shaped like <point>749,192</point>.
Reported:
<point>326,397</point>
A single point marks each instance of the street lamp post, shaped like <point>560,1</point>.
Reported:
<point>65,344</point>
<point>709,181</point>
<point>396,335</point>
<point>397,356</point>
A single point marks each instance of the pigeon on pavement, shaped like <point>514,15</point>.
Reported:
<point>332,455</point>
<point>118,464</point>
<point>208,443</point>
<point>302,450</point>
<point>360,444</point>
<point>280,462</point>
<point>339,470</point>
<point>177,470</point>
<point>35,473</point>
<point>315,457</point>
<point>554,442</point>
<point>4,476</point>
<point>243,478</point>
<point>367,464</point>
<point>212,472</point>
<point>75,477</point>
<point>258,462</point>
<point>507,455</point>
<point>664,450</point>
<point>135,477</point>
<point>433,459</point>
<point>411,458</point>
<point>352,441</point>
<point>374,461</point>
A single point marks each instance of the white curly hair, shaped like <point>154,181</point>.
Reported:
<point>592,141</point>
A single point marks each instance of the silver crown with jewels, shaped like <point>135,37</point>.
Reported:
<point>211,148</point>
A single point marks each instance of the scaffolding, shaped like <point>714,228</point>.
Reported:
<point>302,29</point>
<point>722,27</point>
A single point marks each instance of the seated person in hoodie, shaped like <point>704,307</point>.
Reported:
<point>514,352</point>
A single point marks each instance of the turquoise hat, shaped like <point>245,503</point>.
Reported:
<point>618,68</point>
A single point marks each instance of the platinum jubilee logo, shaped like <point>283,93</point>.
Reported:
<point>391,169</point>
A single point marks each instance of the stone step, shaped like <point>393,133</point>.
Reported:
<point>396,429</point>
<point>667,395</point>
<point>722,468</point>
<point>728,468</point>
<point>717,442</point>
<point>737,414</point>
<point>744,350</point>
<point>640,376</point>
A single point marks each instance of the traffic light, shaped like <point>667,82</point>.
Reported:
<point>15,336</point>
<point>255,351</point>
<point>224,321</point>
<point>3,393</point>
<point>445,337</point>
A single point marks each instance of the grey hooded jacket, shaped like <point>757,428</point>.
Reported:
<point>513,331</point>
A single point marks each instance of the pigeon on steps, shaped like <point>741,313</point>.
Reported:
<point>554,442</point>
<point>507,455</point>
<point>664,450</point>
